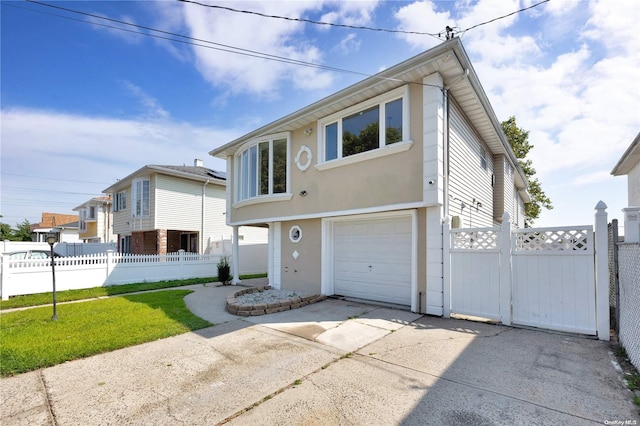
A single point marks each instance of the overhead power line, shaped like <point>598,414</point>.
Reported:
<point>192,40</point>
<point>448,33</point>
<point>61,180</point>
<point>309,21</point>
<point>503,16</point>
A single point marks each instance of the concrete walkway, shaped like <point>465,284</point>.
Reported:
<point>330,363</point>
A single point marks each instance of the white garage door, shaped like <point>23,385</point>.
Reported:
<point>372,259</point>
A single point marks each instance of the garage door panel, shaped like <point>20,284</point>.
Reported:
<point>372,259</point>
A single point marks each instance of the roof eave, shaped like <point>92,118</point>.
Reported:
<point>629,159</point>
<point>381,78</point>
<point>162,170</point>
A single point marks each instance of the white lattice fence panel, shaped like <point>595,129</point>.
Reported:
<point>578,239</point>
<point>475,239</point>
<point>629,273</point>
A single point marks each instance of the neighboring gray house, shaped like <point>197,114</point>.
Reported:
<point>355,188</point>
<point>162,209</point>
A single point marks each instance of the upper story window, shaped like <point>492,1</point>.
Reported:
<point>371,125</point>
<point>120,201</point>
<point>262,167</point>
<point>140,198</point>
<point>91,213</point>
<point>83,221</point>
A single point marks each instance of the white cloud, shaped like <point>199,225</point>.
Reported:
<point>422,17</point>
<point>356,13</point>
<point>573,84</point>
<point>85,149</point>
<point>349,43</point>
<point>151,107</point>
<point>243,73</point>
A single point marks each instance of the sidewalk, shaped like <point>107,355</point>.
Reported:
<point>334,362</point>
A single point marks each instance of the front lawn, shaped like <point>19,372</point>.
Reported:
<point>31,340</point>
<point>95,292</point>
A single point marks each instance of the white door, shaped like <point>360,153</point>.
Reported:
<point>372,259</point>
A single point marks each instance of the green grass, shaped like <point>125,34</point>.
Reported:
<point>31,340</point>
<point>95,292</point>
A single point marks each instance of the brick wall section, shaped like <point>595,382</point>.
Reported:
<point>629,275</point>
<point>137,242</point>
<point>235,308</point>
<point>161,241</point>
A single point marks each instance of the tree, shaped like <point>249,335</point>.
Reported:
<point>5,232</point>
<point>519,140</point>
<point>22,232</point>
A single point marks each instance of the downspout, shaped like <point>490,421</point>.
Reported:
<point>202,219</point>
<point>445,187</point>
<point>445,153</point>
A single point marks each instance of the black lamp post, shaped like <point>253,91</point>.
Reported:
<point>51,239</point>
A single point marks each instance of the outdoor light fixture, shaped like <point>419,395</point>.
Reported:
<point>51,239</point>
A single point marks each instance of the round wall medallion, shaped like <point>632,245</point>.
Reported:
<point>303,158</point>
<point>295,234</point>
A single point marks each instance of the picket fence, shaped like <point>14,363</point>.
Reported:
<point>33,276</point>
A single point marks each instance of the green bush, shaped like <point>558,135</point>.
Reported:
<point>224,271</point>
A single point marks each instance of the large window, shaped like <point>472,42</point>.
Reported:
<point>140,198</point>
<point>263,168</point>
<point>365,127</point>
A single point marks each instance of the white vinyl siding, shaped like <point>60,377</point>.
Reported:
<point>633,183</point>
<point>179,206</point>
<point>469,177</point>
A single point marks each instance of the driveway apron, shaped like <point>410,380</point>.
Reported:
<point>333,362</point>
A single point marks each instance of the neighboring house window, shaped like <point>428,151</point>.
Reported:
<point>370,125</point>
<point>120,201</point>
<point>83,221</point>
<point>91,213</point>
<point>140,198</point>
<point>263,167</point>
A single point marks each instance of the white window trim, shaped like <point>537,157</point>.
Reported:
<point>120,201</point>
<point>134,194</point>
<point>368,155</point>
<point>238,168</point>
<point>380,100</point>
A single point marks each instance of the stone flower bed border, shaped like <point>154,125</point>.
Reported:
<point>245,310</point>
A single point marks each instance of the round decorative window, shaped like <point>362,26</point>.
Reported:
<point>295,234</point>
<point>303,158</point>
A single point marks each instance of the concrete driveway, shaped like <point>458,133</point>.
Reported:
<point>330,363</point>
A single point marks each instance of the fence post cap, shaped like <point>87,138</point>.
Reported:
<point>601,205</point>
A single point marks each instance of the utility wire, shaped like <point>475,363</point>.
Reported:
<point>50,178</point>
<point>12,188</point>
<point>253,53</point>
<point>503,16</point>
<point>264,15</point>
<point>210,44</point>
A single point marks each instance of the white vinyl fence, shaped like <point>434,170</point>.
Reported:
<point>33,276</point>
<point>553,278</point>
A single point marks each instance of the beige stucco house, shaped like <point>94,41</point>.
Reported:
<point>355,188</point>
<point>162,209</point>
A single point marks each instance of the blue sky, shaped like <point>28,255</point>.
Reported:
<point>83,104</point>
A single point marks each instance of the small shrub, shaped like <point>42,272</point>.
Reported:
<point>224,271</point>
